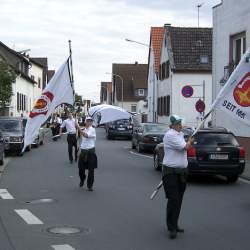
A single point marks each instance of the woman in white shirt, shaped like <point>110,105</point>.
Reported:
<point>87,158</point>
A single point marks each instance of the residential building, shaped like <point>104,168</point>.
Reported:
<point>106,92</point>
<point>231,38</point>
<point>186,60</point>
<point>156,38</point>
<point>28,84</point>
<point>129,85</point>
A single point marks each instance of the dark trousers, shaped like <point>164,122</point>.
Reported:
<point>174,186</point>
<point>90,179</point>
<point>72,142</point>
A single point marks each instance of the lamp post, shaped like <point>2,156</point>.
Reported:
<point>154,95</point>
<point>121,82</point>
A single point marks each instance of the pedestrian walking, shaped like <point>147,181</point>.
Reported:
<point>174,172</point>
<point>71,127</point>
<point>87,159</point>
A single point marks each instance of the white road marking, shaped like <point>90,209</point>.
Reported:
<point>147,156</point>
<point>62,247</point>
<point>5,195</point>
<point>28,217</point>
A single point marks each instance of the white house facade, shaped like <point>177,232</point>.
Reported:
<point>230,41</point>
<point>186,60</point>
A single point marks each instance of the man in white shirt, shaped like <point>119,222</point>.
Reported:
<point>174,172</point>
<point>87,158</point>
<point>71,126</point>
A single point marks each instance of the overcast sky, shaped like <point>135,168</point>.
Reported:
<point>97,28</point>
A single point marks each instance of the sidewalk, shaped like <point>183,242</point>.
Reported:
<point>246,173</point>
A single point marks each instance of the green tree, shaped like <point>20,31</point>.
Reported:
<point>7,77</point>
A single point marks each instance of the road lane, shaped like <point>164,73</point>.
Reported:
<point>119,213</point>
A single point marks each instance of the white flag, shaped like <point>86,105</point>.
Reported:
<point>58,91</point>
<point>234,97</point>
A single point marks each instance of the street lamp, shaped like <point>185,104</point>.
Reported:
<point>108,73</point>
<point>151,48</point>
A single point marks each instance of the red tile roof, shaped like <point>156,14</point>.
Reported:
<point>156,37</point>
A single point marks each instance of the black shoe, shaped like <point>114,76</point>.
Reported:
<point>180,230</point>
<point>81,184</point>
<point>90,189</point>
<point>172,234</point>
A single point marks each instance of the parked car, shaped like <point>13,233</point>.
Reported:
<point>40,138</point>
<point>2,143</point>
<point>215,152</point>
<point>147,135</point>
<point>119,128</point>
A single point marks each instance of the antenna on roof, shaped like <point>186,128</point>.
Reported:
<point>198,7</point>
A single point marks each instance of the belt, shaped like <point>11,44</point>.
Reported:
<point>71,133</point>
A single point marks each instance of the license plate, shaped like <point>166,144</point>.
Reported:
<point>218,157</point>
<point>121,129</point>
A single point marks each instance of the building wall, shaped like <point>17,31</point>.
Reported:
<point>180,105</point>
<point>37,72</point>
<point>226,23</point>
<point>26,88</point>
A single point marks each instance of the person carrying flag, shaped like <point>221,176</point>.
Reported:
<point>174,172</point>
<point>87,158</point>
<point>71,126</point>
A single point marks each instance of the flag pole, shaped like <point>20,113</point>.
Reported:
<point>71,69</point>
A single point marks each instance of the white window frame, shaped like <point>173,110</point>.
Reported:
<point>240,37</point>
<point>141,92</point>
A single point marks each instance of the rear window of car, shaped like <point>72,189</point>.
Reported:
<point>10,125</point>
<point>122,122</point>
<point>215,139</point>
<point>155,128</point>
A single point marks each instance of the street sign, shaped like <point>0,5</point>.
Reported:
<point>200,106</point>
<point>187,91</point>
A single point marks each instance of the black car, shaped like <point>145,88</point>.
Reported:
<point>13,132</point>
<point>119,128</point>
<point>1,148</point>
<point>215,152</point>
<point>147,135</point>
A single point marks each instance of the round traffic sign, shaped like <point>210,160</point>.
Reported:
<point>187,91</point>
<point>200,106</point>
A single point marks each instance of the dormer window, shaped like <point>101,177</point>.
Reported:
<point>140,92</point>
<point>204,59</point>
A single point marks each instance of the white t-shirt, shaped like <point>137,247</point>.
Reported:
<point>175,154</point>
<point>70,125</point>
<point>88,142</point>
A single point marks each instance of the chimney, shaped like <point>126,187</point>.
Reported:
<point>136,63</point>
<point>167,25</point>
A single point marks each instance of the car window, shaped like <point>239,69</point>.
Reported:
<point>10,125</point>
<point>122,122</point>
<point>215,139</point>
<point>155,128</point>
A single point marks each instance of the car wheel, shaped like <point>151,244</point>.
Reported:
<point>157,166</point>
<point>138,147</point>
<point>232,178</point>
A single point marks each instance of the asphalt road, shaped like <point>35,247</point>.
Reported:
<point>118,215</point>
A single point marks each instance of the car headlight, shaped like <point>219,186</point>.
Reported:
<point>16,139</point>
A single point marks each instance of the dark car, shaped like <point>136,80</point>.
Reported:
<point>1,148</point>
<point>215,152</point>
<point>119,128</point>
<point>13,133</point>
<point>147,135</point>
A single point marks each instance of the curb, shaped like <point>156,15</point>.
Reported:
<point>247,178</point>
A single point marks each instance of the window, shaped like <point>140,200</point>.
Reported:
<point>133,108</point>
<point>204,59</point>
<point>21,102</point>
<point>39,82</point>
<point>168,105</point>
<point>237,47</point>
<point>140,92</point>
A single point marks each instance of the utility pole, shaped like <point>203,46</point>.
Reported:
<point>198,7</point>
